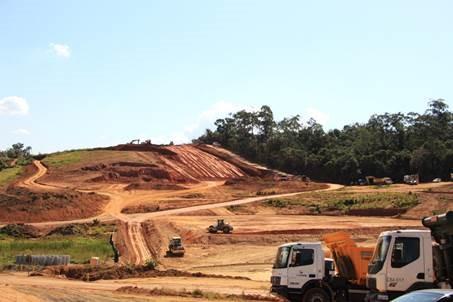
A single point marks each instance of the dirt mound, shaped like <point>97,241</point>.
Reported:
<point>236,181</point>
<point>194,294</point>
<point>70,229</point>
<point>246,166</point>
<point>163,205</point>
<point>376,212</point>
<point>22,205</point>
<point>436,201</point>
<point>154,186</point>
<point>133,163</point>
<point>144,208</point>
<point>132,171</point>
<point>270,186</point>
<point>105,272</point>
<point>319,231</point>
<point>142,148</point>
<point>20,231</point>
<point>154,239</point>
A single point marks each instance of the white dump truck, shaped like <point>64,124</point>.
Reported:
<point>407,260</point>
<point>402,261</point>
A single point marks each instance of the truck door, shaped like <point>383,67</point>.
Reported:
<point>302,267</point>
<point>406,265</point>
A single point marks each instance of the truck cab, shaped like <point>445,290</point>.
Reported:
<point>407,260</point>
<point>299,267</point>
<point>402,262</point>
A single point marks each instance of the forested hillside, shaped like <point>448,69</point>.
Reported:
<point>389,144</point>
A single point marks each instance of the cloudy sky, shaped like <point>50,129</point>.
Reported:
<point>93,73</point>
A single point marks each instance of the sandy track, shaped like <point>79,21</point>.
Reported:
<point>31,182</point>
<point>119,199</point>
<point>145,216</point>
<point>219,285</point>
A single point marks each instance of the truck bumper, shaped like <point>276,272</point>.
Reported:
<point>280,291</point>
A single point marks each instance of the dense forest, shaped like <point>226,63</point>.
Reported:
<point>390,144</point>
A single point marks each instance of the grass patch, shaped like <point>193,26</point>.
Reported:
<point>277,203</point>
<point>61,159</point>
<point>8,175</point>
<point>347,201</point>
<point>81,249</point>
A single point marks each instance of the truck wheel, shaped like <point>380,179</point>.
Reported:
<point>212,230</point>
<point>315,295</point>
<point>226,230</point>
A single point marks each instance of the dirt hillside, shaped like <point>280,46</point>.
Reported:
<point>149,166</point>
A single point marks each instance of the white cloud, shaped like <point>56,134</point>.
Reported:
<point>319,116</point>
<point>209,116</point>
<point>205,120</point>
<point>61,50</point>
<point>22,131</point>
<point>14,105</point>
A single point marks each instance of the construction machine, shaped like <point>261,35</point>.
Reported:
<point>402,261</point>
<point>175,247</point>
<point>411,179</point>
<point>221,226</point>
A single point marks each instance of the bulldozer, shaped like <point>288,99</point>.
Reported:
<point>175,247</point>
<point>221,226</point>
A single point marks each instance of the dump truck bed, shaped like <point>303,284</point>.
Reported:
<point>350,259</point>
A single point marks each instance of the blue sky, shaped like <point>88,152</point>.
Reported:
<point>94,73</point>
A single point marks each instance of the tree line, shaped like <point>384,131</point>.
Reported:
<point>389,144</point>
<point>17,154</point>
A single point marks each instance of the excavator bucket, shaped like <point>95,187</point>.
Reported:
<point>351,260</point>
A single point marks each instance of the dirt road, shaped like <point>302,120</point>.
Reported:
<point>106,287</point>
<point>119,199</point>
<point>31,182</point>
<point>145,216</point>
<point>250,250</point>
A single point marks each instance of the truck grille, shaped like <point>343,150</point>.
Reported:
<point>275,280</point>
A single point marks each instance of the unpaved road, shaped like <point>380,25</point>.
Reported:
<point>247,252</point>
<point>51,285</point>
<point>145,216</point>
<point>120,199</point>
<point>31,182</point>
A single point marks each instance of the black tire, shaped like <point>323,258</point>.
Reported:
<point>212,230</point>
<point>226,230</point>
<point>316,295</point>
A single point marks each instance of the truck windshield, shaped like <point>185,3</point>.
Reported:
<point>380,253</point>
<point>281,261</point>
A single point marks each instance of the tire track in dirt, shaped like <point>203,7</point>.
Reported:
<point>145,216</point>
<point>134,240</point>
<point>31,182</point>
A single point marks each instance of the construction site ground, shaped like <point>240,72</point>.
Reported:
<point>147,217</point>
